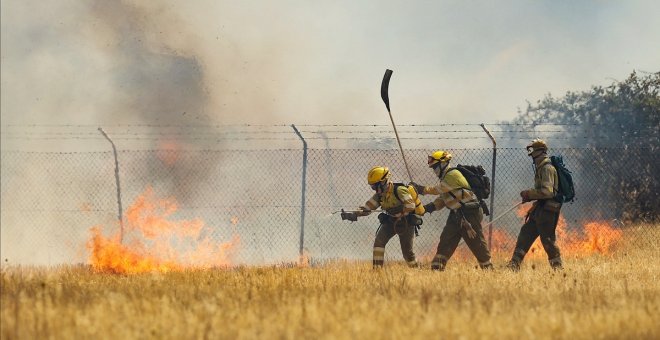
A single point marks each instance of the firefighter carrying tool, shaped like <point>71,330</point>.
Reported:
<point>542,218</point>
<point>401,217</point>
<point>466,213</point>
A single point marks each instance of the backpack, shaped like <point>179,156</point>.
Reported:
<point>413,193</point>
<point>566,192</point>
<point>479,183</point>
<point>412,218</point>
<point>476,177</point>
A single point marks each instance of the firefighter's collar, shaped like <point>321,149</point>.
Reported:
<point>446,171</point>
<point>388,191</point>
<point>545,161</point>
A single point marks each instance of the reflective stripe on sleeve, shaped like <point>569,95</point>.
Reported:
<point>372,204</point>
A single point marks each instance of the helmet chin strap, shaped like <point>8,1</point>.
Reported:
<point>539,155</point>
<point>440,169</point>
<point>381,187</point>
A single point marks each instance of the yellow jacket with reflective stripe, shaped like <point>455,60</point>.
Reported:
<point>388,200</point>
<point>452,181</point>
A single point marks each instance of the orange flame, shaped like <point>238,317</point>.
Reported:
<point>155,243</point>
<point>587,238</point>
<point>599,237</point>
<point>594,237</point>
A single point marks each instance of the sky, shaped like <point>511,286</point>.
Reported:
<point>304,62</point>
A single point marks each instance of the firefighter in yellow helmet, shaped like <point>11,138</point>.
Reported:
<point>465,215</point>
<point>543,216</point>
<point>401,217</point>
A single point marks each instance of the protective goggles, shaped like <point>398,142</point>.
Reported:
<point>531,150</point>
<point>436,165</point>
<point>376,185</point>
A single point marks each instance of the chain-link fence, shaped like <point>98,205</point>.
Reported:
<point>50,200</point>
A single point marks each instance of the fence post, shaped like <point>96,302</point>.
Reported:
<point>492,186</point>
<point>304,181</point>
<point>119,214</point>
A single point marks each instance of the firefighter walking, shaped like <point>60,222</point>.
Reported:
<point>466,213</point>
<point>542,218</point>
<point>401,217</point>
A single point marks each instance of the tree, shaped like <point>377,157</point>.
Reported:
<point>619,125</point>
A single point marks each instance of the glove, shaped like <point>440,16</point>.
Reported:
<point>351,216</point>
<point>414,220</point>
<point>484,207</point>
<point>418,188</point>
<point>395,211</point>
<point>468,227</point>
<point>364,211</point>
<point>429,207</point>
<point>525,196</point>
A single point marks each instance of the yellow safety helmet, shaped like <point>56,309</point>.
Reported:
<point>536,145</point>
<point>378,174</point>
<point>437,157</point>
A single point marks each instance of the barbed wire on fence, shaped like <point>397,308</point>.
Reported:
<point>57,197</point>
<point>267,132</point>
<point>221,126</point>
<point>314,138</point>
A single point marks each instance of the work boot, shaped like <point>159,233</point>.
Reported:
<point>556,264</point>
<point>439,262</point>
<point>513,266</point>
<point>486,266</point>
<point>412,263</point>
<point>438,266</point>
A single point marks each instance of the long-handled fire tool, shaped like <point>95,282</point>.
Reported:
<point>384,86</point>
<point>502,215</point>
<point>356,211</point>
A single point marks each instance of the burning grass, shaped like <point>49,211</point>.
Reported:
<point>152,241</point>
<point>597,296</point>
<point>584,239</point>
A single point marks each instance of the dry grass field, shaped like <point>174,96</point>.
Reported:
<point>595,297</point>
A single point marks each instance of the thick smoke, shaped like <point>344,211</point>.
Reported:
<point>157,85</point>
<point>88,64</point>
<point>106,63</point>
<point>152,81</point>
<point>92,62</point>
<point>213,62</point>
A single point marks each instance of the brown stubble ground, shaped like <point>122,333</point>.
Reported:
<point>613,296</point>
